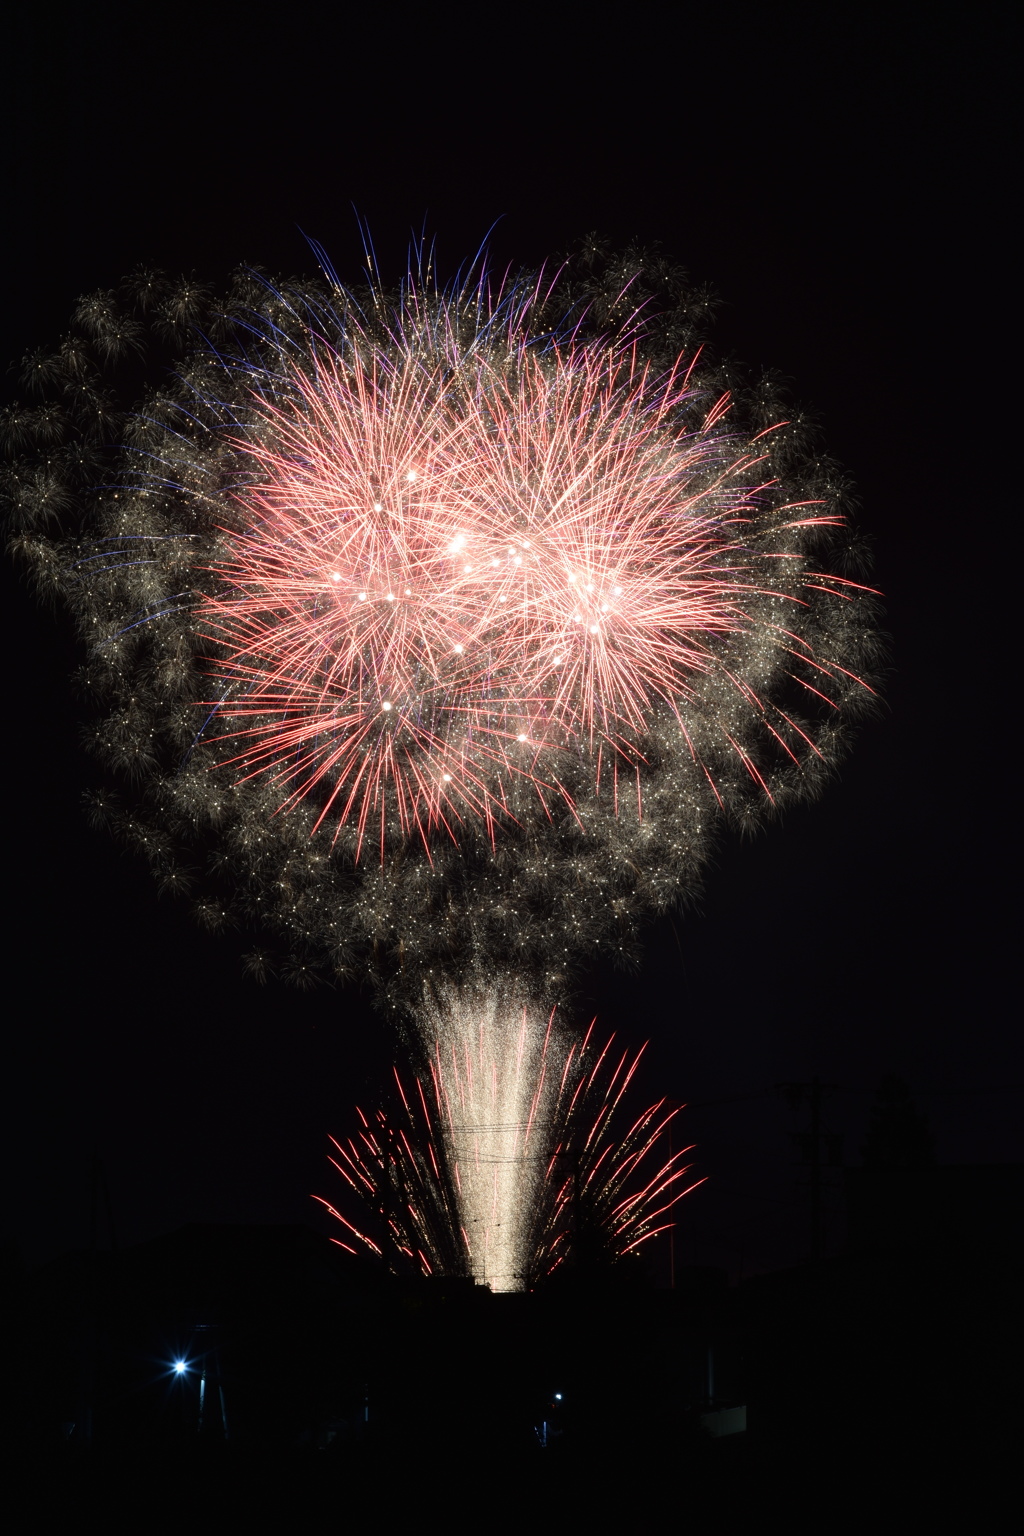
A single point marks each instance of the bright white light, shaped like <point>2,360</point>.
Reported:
<point>378,506</point>
<point>391,597</point>
<point>335,575</point>
<point>489,1054</point>
<point>558,1397</point>
<point>180,1367</point>
<point>385,706</point>
<point>521,736</point>
<point>617,591</point>
<point>459,650</point>
<point>447,778</point>
<point>362,597</point>
<point>411,475</point>
<point>459,542</point>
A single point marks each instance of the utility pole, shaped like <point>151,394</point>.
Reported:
<point>674,1105</point>
<point>810,1144</point>
<point>387,1196</point>
<point>210,1376</point>
<point>93,1310</point>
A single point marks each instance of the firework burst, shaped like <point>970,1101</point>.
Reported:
<point>511,1155</point>
<point>449,625</point>
<point>455,572</point>
<point>458,619</point>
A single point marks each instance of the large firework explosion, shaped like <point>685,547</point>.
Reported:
<point>513,1154</point>
<point>454,622</point>
<point>448,625</point>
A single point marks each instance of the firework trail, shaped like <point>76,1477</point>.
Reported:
<point>507,1182</point>
<point>491,1079</point>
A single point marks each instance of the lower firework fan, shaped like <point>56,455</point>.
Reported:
<point>511,1155</point>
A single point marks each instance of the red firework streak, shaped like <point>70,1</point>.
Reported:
<point>451,574</point>
<point>601,1190</point>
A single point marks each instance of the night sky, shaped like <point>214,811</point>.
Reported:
<point>841,182</point>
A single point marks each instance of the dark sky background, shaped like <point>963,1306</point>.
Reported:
<point>841,179</point>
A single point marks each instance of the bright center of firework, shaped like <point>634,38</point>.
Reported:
<point>555,570</point>
<point>495,1094</point>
